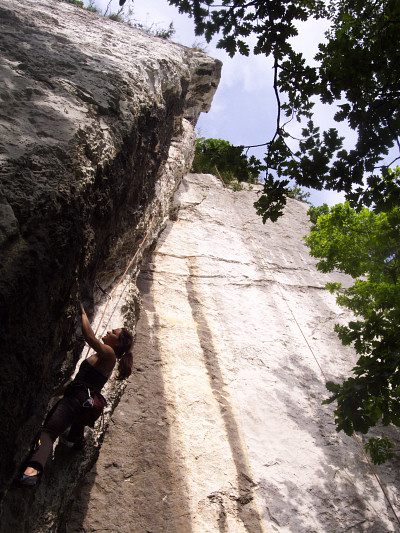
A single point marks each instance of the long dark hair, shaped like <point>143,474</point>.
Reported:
<point>124,354</point>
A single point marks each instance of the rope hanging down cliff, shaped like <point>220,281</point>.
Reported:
<point>170,174</point>
<point>110,296</point>
<point>325,378</point>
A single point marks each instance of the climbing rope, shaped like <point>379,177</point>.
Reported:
<point>325,378</point>
<point>171,171</point>
<point>110,296</point>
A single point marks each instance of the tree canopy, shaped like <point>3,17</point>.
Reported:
<point>357,70</point>
<point>365,245</point>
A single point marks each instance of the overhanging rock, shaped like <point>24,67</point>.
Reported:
<point>95,117</point>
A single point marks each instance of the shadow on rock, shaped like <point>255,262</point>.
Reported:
<point>133,487</point>
<point>246,509</point>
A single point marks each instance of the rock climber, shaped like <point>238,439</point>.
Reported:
<point>82,402</point>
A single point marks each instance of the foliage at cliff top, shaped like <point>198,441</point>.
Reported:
<point>357,69</point>
<point>365,245</point>
<point>229,163</point>
<point>126,18</point>
<point>219,157</point>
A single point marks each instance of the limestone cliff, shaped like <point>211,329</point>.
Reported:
<point>95,117</point>
<point>221,428</point>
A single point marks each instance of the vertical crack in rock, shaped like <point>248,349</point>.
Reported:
<point>95,118</point>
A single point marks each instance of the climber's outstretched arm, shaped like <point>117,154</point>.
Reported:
<point>89,336</point>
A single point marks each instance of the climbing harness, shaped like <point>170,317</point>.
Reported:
<point>96,403</point>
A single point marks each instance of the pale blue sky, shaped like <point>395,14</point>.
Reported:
<point>244,107</point>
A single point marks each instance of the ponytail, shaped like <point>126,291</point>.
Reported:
<point>124,354</point>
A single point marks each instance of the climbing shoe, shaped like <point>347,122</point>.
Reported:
<point>28,482</point>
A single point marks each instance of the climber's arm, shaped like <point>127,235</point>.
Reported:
<point>91,339</point>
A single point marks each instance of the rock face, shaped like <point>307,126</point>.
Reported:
<point>96,122</point>
<point>221,427</point>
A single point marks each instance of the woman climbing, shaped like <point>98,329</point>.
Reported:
<point>79,405</point>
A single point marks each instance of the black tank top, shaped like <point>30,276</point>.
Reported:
<point>90,376</point>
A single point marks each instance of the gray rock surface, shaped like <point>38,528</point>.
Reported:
<point>95,117</point>
<point>221,427</point>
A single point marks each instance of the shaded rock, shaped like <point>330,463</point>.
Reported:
<point>95,117</point>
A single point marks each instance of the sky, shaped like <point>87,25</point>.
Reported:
<point>243,111</point>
